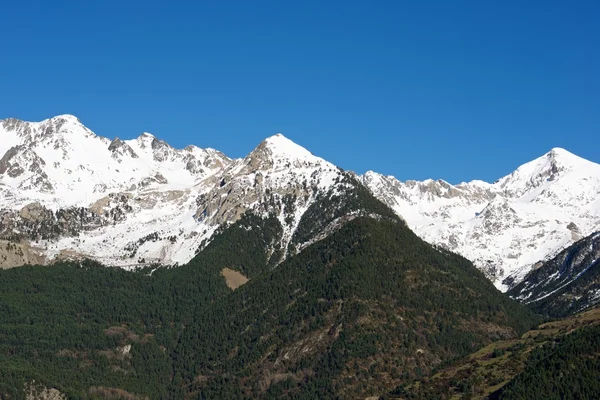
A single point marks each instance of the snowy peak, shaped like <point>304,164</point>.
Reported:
<point>141,200</point>
<point>65,118</point>
<point>510,225</point>
<point>280,146</point>
<point>552,166</point>
<point>145,140</point>
<point>52,129</point>
<point>564,157</point>
<point>279,150</point>
<point>59,162</point>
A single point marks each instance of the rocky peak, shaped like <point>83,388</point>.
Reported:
<point>5,161</point>
<point>145,140</point>
<point>545,169</point>
<point>12,124</point>
<point>198,160</point>
<point>158,149</point>
<point>23,163</point>
<point>120,148</point>
<point>61,123</point>
<point>56,130</point>
<point>161,150</point>
<point>280,151</point>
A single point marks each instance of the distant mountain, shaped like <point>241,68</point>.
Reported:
<point>67,193</point>
<point>507,227</point>
<point>567,284</point>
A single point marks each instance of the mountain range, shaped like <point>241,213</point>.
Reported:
<point>67,193</point>
<point>280,275</point>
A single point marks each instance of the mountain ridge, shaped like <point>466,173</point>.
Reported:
<point>164,202</point>
<point>566,284</point>
<point>508,226</point>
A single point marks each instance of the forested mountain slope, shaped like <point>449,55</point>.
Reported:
<point>360,306</point>
<point>557,360</point>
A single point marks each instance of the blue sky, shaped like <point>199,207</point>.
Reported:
<point>455,90</point>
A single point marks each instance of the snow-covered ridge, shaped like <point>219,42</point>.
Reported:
<point>506,227</point>
<point>73,193</point>
<point>78,167</point>
<point>141,200</point>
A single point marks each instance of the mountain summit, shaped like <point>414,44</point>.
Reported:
<point>282,147</point>
<point>506,227</point>
<point>550,167</point>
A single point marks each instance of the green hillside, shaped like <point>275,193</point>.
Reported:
<point>362,311</point>
<point>557,360</point>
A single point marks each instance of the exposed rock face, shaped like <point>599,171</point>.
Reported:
<point>36,222</point>
<point>35,212</point>
<point>39,392</point>
<point>161,150</point>
<point>262,181</point>
<point>120,149</point>
<point>575,231</point>
<point>16,254</point>
<point>278,177</point>
<point>22,160</point>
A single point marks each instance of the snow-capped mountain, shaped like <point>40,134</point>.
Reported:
<point>506,227</point>
<point>66,192</point>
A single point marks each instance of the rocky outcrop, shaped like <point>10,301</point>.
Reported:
<point>16,254</point>
<point>36,222</point>
<point>35,391</point>
<point>120,149</point>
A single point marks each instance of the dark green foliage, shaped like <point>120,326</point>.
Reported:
<point>415,296</point>
<point>53,320</point>
<point>363,310</point>
<point>566,369</point>
<point>65,308</point>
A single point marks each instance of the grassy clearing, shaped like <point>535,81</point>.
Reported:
<point>234,279</point>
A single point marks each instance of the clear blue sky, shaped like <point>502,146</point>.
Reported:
<point>457,90</point>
